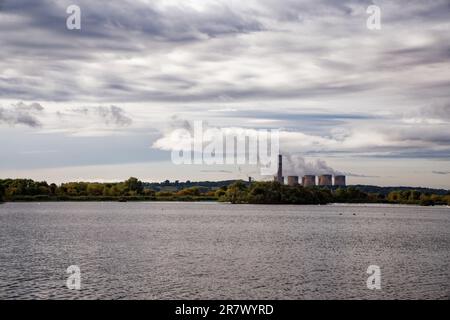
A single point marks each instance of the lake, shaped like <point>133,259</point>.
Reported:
<point>222,251</point>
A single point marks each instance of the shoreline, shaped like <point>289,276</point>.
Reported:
<point>238,192</point>
<point>335,204</point>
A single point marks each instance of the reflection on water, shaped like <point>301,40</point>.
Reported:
<point>221,251</point>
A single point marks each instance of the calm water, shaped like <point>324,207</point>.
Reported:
<point>221,251</point>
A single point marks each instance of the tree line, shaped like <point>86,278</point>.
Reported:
<point>131,190</point>
<point>276,193</point>
<point>238,192</point>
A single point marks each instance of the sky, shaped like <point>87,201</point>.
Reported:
<point>99,103</point>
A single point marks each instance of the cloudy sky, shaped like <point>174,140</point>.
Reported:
<point>98,103</point>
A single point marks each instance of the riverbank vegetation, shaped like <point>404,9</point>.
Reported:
<point>237,192</point>
<point>129,190</point>
<point>275,193</point>
<point>2,193</point>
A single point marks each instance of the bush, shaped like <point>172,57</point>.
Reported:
<point>194,191</point>
<point>276,193</point>
<point>426,202</point>
<point>237,193</point>
<point>163,194</point>
<point>2,192</point>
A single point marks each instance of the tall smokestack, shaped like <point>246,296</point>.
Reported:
<point>280,169</point>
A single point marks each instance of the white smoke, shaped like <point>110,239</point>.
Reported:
<point>295,165</point>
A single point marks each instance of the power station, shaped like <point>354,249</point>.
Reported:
<point>339,181</point>
<point>325,180</point>
<point>292,181</point>
<point>309,181</point>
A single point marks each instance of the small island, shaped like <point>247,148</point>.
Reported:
<point>235,192</point>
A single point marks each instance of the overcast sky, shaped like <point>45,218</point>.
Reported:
<point>98,103</point>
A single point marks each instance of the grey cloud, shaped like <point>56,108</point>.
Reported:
<point>217,171</point>
<point>28,107</point>
<point>112,116</point>
<point>148,19</point>
<point>440,111</point>
<point>435,53</point>
<point>13,118</point>
<point>268,51</point>
<point>441,172</point>
<point>410,153</point>
<point>298,116</point>
<point>357,175</point>
<point>242,93</point>
<point>177,122</point>
<point>152,28</point>
<point>21,114</point>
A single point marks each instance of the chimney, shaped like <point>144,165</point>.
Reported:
<point>280,169</point>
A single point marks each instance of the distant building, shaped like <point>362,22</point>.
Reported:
<point>340,181</point>
<point>292,181</point>
<point>309,180</point>
<point>326,180</point>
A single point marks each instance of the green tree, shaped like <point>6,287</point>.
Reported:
<point>164,194</point>
<point>425,200</point>
<point>267,192</point>
<point>95,189</point>
<point>236,193</point>
<point>53,189</point>
<point>394,196</point>
<point>340,195</point>
<point>414,195</point>
<point>220,193</point>
<point>133,184</point>
<point>149,193</point>
<point>2,192</point>
<point>193,191</point>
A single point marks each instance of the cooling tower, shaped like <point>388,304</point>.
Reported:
<point>326,180</point>
<point>309,181</point>
<point>339,181</point>
<point>292,181</point>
